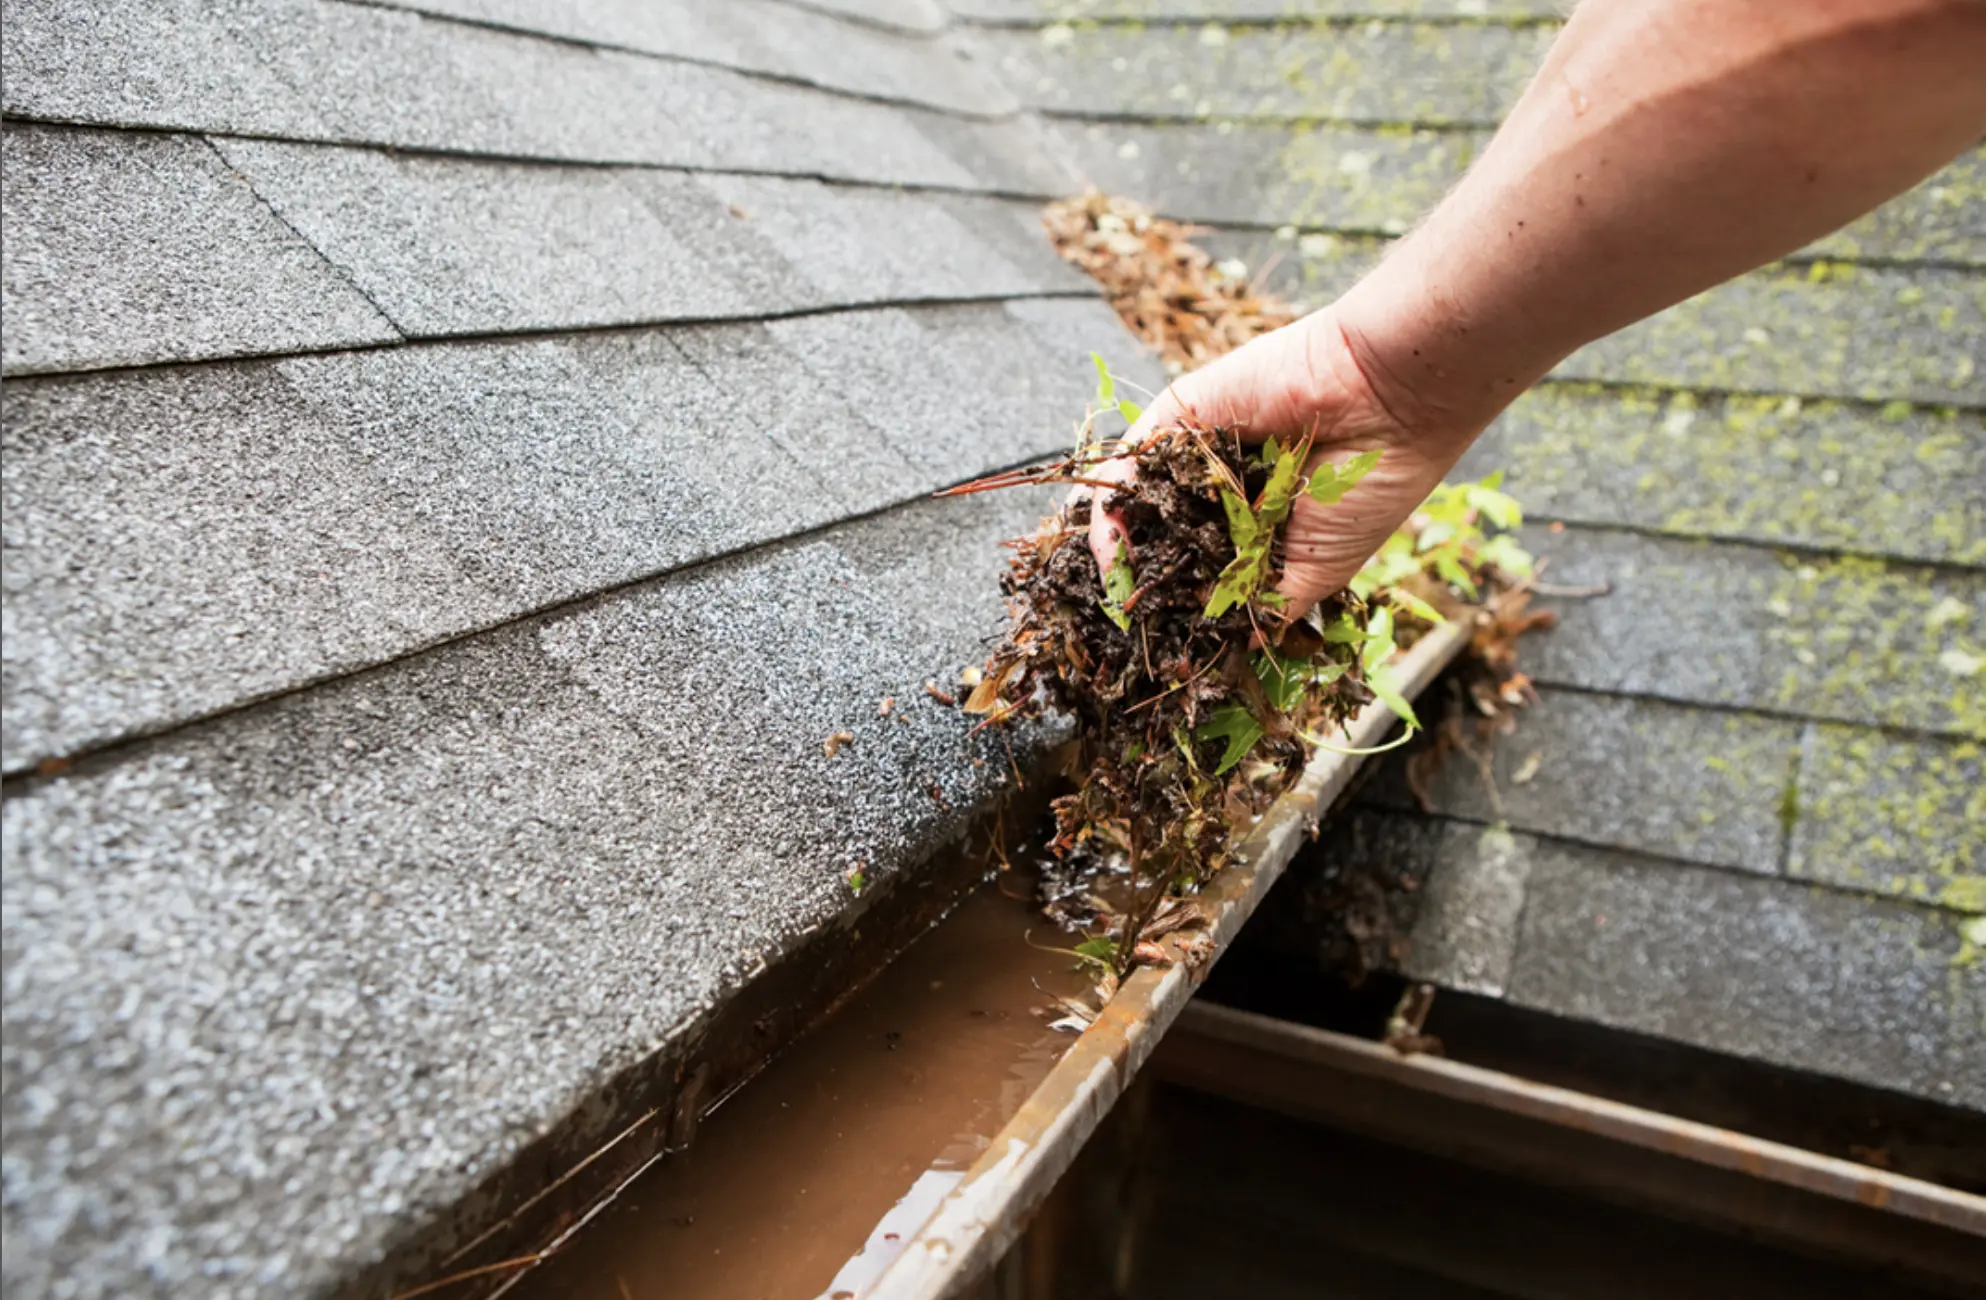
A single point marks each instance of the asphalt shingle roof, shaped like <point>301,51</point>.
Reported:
<point>461,464</point>
<point>456,479</point>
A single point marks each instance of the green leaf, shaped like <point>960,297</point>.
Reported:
<point>1449,566</point>
<point>1243,575</point>
<point>1329,483</point>
<point>1238,581</point>
<point>1242,528</point>
<point>1271,452</point>
<point>1282,680</point>
<point>1386,688</point>
<point>1118,585</point>
<point>1435,534</point>
<point>1279,494</point>
<point>1378,647</point>
<point>1504,552</point>
<point>1102,950</point>
<point>1106,383</point>
<point>1414,605</point>
<point>1180,738</point>
<point>1130,410</point>
<point>1500,508</point>
<point>1285,681</point>
<point>1234,724</point>
<point>1344,631</point>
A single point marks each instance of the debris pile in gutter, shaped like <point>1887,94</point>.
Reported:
<point>1171,293</point>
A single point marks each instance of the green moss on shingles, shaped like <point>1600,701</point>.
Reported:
<point>1839,335</point>
<point>1893,815</point>
<point>1821,474</point>
<point>1857,639</point>
<point>1354,179</point>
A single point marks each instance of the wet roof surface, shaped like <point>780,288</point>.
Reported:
<point>463,458</point>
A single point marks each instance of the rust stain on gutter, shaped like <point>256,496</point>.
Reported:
<point>970,1229</point>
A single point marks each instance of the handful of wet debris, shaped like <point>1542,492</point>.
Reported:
<point>1197,700</point>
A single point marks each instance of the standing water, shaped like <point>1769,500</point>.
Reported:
<point>809,1179</point>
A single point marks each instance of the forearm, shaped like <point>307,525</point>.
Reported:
<point>1665,146</point>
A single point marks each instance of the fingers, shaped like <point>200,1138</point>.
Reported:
<point>1107,531</point>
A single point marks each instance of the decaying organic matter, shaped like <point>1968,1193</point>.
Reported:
<point>1197,698</point>
<point>1187,307</point>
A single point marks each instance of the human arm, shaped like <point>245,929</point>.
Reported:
<point>1664,146</point>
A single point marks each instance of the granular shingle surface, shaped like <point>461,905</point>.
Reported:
<point>460,466</point>
<point>315,969</point>
<point>124,249</point>
<point>407,735</point>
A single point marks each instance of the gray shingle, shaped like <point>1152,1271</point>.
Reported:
<point>160,63</point>
<point>756,382</point>
<point>1046,11</point>
<point>1020,155</point>
<point>1860,332</point>
<point>1837,639</point>
<point>342,73</point>
<point>1464,934</point>
<point>124,249</point>
<point>1942,220</point>
<point>390,930</point>
<point>1368,179</point>
<point>1373,72</point>
<point>865,245</point>
<point>1680,782</point>
<point>905,15</point>
<point>1901,481</point>
<point>1892,815</point>
<point>1869,333</point>
<point>755,36</point>
<point>1340,177</point>
<point>1789,973</point>
<point>182,541</point>
<point>1069,329</point>
<point>447,246</point>
<point>451,246</point>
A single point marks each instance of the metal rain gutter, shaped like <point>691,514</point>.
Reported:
<point>971,1228</point>
<point>1220,1036</point>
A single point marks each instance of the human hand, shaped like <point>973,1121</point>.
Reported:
<point>1305,380</point>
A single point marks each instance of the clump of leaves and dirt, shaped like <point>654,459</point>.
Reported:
<point>1197,700</point>
<point>1186,306</point>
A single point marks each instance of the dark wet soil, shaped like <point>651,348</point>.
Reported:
<point>805,1182</point>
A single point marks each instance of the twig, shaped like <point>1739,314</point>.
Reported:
<point>1573,593</point>
<point>522,1261</point>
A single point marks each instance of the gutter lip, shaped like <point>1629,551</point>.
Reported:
<point>976,1222</point>
<point>1705,1144</point>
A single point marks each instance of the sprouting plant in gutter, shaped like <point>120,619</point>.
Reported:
<point>1197,697</point>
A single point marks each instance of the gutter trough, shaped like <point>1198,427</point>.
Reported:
<point>985,1213</point>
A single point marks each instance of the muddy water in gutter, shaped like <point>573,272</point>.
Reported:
<point>807,1181</point>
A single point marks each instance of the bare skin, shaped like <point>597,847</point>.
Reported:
<point>1665,146</point>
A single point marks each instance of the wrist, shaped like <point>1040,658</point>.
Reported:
<point>1442,368</point>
